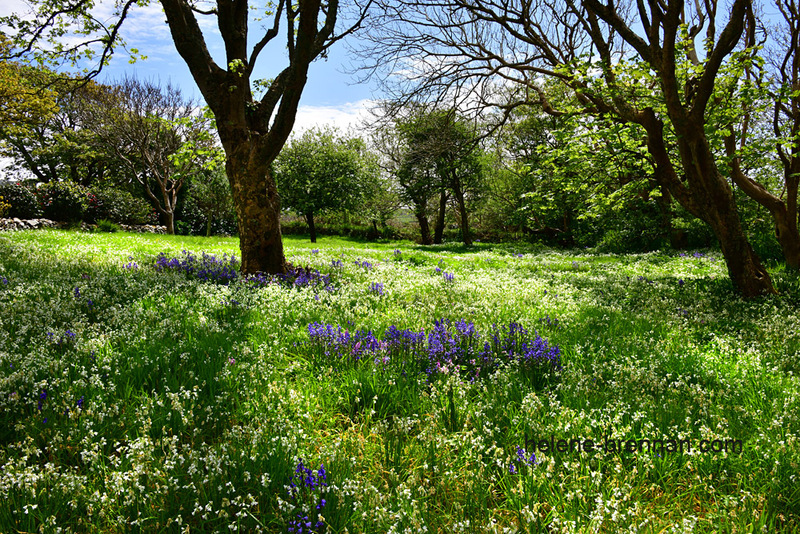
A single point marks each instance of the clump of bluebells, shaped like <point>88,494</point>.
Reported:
<point>293,277</point>
<point>206,267</point>
<point>376,288</point>
<point>448,348</point>
<point>522,460</point>
<point>224,270</point>
<point>67,339</point>
<point>365,264</point>
<point>305,497</point>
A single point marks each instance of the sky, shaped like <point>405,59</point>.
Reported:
<point>331,95</point>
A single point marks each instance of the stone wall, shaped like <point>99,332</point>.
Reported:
<point>33,224</point>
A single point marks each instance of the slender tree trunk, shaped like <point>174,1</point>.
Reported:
<point>784,212</point>
<point>208,227</point>
<point>463,216</point>
<point>422,219</point>
<point>258,206</point>
<point>665,211</point>
<point>438,229</point>
<point>786,230</point>
<point>312,229</point>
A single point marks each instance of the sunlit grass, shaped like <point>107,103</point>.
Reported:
<point>147,400</point>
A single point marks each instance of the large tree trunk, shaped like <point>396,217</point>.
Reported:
<point>312,229</point>
<point>708,196</point>
<point>438,229</point>
<point>258,206</point>
<point>744,266</point>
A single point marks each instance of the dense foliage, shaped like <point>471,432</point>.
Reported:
<point>323,171</point>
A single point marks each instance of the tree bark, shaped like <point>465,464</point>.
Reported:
<point>708,197</point>
<point>438,229</point>
<point>258,206</point>
<point>169,222</point>
<point>312,229</point>
<point>422,219</point>
<point>462,212</point>
<point>786,223</point>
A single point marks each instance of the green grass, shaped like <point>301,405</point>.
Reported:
<point>181,405</point>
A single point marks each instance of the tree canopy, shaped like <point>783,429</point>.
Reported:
<point>323,170</point>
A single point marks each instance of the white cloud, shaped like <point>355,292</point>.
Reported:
<point>346,116</point>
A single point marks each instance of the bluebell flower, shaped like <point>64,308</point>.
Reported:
<point>376,288</point>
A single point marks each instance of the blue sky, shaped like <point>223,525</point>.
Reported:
<point>330,96</point>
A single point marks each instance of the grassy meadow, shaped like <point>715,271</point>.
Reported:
<point>401,389</point>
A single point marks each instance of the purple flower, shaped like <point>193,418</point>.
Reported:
<point>376,288</point>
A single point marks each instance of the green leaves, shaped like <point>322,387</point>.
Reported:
<point>323,170</point>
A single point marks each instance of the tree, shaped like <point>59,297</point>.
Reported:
<point>52,144</point>
<point>210,192</point>
<point>322,171</point>
<point>436,154</point>
<point>23,98</point>
<point>252,130</point>
<point>783,64</point>
<point>642,66</point>
<point>158,136</point>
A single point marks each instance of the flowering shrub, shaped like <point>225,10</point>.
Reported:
<point>4,206</point>
<point>62,201</point>
<point>20,200</point>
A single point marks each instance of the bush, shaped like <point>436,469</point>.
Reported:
<point>117,206</point>
<point>62,201</point>
<point>193,221</point>
<point>20,200</point>
<point>104,225</point>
